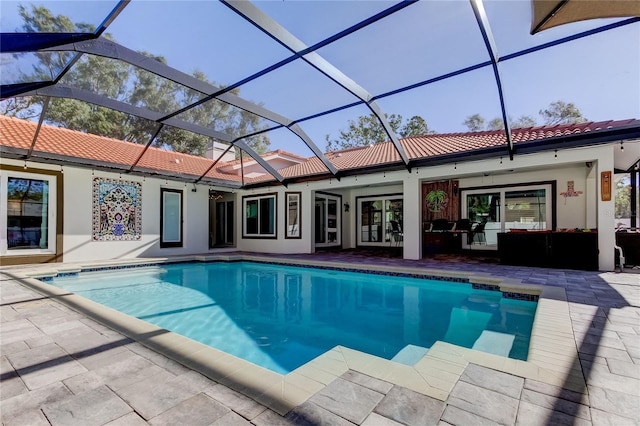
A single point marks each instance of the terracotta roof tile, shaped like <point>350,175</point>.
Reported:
<point>55,140</point>
<point>17,133</point>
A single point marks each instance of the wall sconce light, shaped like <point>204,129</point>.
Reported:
<point>621,146</point>
<point>455,187</point>
<point>346,207</point>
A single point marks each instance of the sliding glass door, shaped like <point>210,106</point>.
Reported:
<point>501,209</point>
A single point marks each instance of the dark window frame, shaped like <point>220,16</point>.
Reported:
<point>260,219</point>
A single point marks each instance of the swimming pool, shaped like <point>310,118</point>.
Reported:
<point>280,317</point>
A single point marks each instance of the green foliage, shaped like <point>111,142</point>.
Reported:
<point>415,126</point>
<point>368,130</point>
<point>436,200</point>
<point>623,197</point>
<point>123,82</point>
<point>474,123</point>
<point>524,121</point>
<point>560,112</point>
<point>496,124</point>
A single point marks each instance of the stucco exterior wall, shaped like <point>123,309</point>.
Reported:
<point>583,211</point>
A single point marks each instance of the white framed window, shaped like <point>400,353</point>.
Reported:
<point>501,209</point>
<point>27,213</point>
<point>380,219</point>
<point>259,219</point>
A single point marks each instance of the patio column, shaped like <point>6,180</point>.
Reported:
<point>606,216</point>
<point>412,222</point>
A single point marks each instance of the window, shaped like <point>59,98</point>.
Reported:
<point>624,200</point>
<point>259,216</point>
<point>29,214</point>
<point>171,218</point>
<point>292,213</point>
<point>378,219</point>
<point>502,209</point>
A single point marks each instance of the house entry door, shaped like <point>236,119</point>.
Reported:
<point>222,224</point>
<point>327,220</point>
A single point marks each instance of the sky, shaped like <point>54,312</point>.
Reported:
<point>599,74</point>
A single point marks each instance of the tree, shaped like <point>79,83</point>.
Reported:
<point>415,126</point>
<point>560,112</point>
<point>366,130</point>
<point>623,197</point>
<point>121,81</point>
<point>474,123</point>
<point>496,124</point>
<point>524,121</point>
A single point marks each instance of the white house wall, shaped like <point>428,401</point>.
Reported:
<point>572,212</point>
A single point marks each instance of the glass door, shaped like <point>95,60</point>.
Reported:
<point>221,223</point>
<point>380,221</point>
<point>327,220</point>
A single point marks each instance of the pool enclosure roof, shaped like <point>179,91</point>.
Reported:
<point>298,73</point>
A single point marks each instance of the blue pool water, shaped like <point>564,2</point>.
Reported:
<point>281,317</point>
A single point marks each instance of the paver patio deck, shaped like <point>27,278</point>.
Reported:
<point>60,367</point>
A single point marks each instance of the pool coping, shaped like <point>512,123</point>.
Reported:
<point>551,359</point>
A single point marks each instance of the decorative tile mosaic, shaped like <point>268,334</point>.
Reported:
<point>490,287</point>
<point>117,210</point>
<point>520,296</point>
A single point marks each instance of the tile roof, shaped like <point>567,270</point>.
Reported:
<point>15,133</point>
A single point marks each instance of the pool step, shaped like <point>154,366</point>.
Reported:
<point>494,343</point>
<point>410,354</point>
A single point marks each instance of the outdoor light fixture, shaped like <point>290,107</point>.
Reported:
<point>25,164</point>
<point>621,146</point>
<point>500,160</point>
<point>346,207</point>
<point>555,155</point>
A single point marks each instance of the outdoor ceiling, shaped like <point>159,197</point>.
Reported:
<point>305,69</point>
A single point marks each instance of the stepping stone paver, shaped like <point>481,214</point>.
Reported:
<point>131,419</point>
<point>200,410</point>
<point>535,415</point>
<point>455,416</point>
<point>95,407</point>
<point>375,419</point>
<point>245,406</point>
<point>348,400</point>
<point>613,401</point>
<point>33,400</point>
<point>410,408</point>
<point>367,381</point>
<point>557,404</point>
<point>231,419</point>
<point>497,381</point>
<point>310,414</point>
<point>484,402</point>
